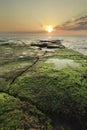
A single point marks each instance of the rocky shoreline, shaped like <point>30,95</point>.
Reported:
<point>49,44</point>
<point>43,86</point>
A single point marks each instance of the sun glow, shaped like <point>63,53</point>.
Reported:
<point>49,28</point>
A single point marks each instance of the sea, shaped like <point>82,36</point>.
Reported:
<point>77,43</point>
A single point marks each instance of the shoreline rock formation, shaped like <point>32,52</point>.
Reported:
<point>53,44</point>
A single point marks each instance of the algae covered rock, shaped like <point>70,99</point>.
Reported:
<point>17,114</point>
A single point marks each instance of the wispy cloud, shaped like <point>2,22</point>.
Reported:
<point>79,23</point>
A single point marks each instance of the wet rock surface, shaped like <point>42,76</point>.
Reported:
<point>35,94</point>
<point>49,44</point>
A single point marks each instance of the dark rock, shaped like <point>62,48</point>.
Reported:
<point>55,46</point>
<point>44,41</point>
<point>56,41</point>
<point>2,40</point>
<point>49,44</point>
<point>51,41</point>
<point>52,46</point>
<point>4,44</point>
<point>40,45</point>
<point>43,45</point>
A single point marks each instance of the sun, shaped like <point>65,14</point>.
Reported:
<point>49,28</point>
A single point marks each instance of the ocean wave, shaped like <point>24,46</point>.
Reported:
<point>77,45</point>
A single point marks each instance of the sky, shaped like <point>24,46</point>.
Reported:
<point>68,17</point>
